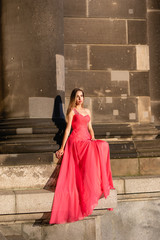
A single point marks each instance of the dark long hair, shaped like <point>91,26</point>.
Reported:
<point>72,102</point>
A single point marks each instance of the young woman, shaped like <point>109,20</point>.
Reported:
<point>85,172</point>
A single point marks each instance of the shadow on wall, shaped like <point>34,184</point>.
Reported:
<point>59,119</point>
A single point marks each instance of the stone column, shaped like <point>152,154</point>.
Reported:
<point>32,73</point>
<point>153,17</point>
<point>32,44</point>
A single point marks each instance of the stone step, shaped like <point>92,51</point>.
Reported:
<point>32,204</point>
<point>14,131</point>
<point>21,202</point>
<point>28,147</point>
<point>122,149</point>
<point>27,138</point>
<point>35,170</point>
<point>148,148</point>
<point>135,166</point>
<point>137,184</point>
<point>16,159</point>
<point>15,237</point>
<point>147,144</point>
<point>17,145</point>
<point>27,122</point>
<point>27,176</point>
<point>112,130</point>
<point>118,149</point>
<point>144,131</point>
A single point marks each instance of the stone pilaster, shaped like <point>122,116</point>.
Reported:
<point>153,19</point>
<point>32,80</point>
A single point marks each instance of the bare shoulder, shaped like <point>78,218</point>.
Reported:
<point>88,111</point>
<point>71,113</point>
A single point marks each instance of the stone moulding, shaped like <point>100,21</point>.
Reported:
<point>38,202</point>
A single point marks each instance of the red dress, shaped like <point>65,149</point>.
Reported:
<point>85,174</point>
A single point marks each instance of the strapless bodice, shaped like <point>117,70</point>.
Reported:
<point>80,126</point>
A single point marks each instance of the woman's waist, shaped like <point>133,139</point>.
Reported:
<point>80,132</point>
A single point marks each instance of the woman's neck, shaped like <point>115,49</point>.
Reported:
<point>79,107</point>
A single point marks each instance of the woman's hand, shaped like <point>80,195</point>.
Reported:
<point>93,138</point>
<point>59,153</point>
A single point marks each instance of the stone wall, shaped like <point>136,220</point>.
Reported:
<point>107,54</point>
<point>132,220</point>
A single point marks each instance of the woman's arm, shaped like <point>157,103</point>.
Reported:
<point>90,129</point>
<point>60,152</point>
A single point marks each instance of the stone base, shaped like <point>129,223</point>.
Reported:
<point>34,204</point>
<point>136,217</point>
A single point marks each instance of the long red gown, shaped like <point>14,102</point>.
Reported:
<point>85,174</point>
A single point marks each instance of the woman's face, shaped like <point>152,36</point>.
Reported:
<point>79,98</point>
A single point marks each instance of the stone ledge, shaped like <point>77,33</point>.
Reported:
<point>142,184</point>
<point>40,201</point>
<point>138,197</point>
<point>138,184</point>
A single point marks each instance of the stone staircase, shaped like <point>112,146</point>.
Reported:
<point>23,219</point>
<point>29,170</point>
<point>11,237</point>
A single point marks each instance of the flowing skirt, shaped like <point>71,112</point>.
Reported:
<point>85,174</point>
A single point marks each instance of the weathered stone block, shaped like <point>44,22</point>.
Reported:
<point>41,107</point>
<point>8,229</point>
<point>142,55</point>
<point>144,135</point>
<point>33,201</point>
<point>145,184</point>
<point>77,230</point>
<point>111,201</point>
<point>31,232</point>
<point>154,51</point>
<point>147,144</point>
<point>120,149</point>
<point>2,237</point>
<point>125,167</point>
<point>34,176</point>
<point>26,159</point>
<point>155,108</point>
<point>150,166</point>
<point>117,9</point>
<point>23,60</point>
<point>153,4</point>
<point>120,110</point>
<point>75,56</point>
<point>137,32</point>
<point>144,109</point>
<point>132,220</point>
<point>75,8</point>
<point>94,31</point>
<point>119,75</point>
<point>139,83</point>
<point>95,83</point>
<point>16,102</point>
<point>109,57</point>
<point>119,185</point>
<point>7,202</point>
<point>112,130</point>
